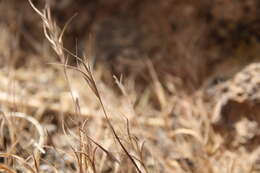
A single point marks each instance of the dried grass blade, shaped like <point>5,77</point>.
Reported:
<point>5,168</point>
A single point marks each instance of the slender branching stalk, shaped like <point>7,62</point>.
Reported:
<point>54,35</point>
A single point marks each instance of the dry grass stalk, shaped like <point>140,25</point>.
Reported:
<point>157,84</point>
<point>39,145</point>
<point>5,168</point>
<point>54,36</point>
<point>20,160</point>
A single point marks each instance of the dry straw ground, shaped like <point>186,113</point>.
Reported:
<point>66,113</point>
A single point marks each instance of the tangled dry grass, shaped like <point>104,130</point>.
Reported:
<point>65,117</point>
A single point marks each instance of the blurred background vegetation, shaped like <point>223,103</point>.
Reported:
<point>169,52</point>
<point>192,40</point>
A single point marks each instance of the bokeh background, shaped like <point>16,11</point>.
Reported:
<point>165,70</point>
<point>193,40</point>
